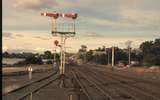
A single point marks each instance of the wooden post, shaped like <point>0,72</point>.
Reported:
<point>112,57</point>
<point>108,56</point>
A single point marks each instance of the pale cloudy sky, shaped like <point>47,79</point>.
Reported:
<point>100,22</point>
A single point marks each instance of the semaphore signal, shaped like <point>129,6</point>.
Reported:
<point>63,31</point>
<point>56,15</point>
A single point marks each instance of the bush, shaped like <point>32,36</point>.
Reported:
<point>33,60</point>
<point>49,62</point>
<point>21,63</point>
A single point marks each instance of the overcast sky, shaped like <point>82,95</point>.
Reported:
<point>99,22</point>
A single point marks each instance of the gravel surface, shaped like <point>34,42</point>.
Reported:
<point>12,81</point>
<point>134,72</point>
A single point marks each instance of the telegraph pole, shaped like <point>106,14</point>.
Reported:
<point>128,43</point>
<point>129,55</point>
<point>112,58</point>
<point>108,56</point>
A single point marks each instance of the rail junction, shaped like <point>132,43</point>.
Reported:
<point>88,82</point>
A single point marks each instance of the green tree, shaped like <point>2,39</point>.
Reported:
<point>48,54</point>
<point>89,56</point>
<point>146,47</point>
<point>6,55</point>
<point>151,52</point>
<point>120,55</point>
<point>33,60</point>
<point>83,53</point>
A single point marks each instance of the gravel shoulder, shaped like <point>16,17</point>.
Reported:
<point>138,72</point>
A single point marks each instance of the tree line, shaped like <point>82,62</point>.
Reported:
<point>32,58</point>
<point>147,54</point>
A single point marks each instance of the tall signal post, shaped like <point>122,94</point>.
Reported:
<point>63,31</point>
<point>128,44</point>
<point>55,57</point>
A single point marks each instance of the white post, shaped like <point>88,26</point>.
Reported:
<point>64,55</point>
<point>55,57</point>
<point>30,72</point>
<point>30,96</point>
<point>61,65</point>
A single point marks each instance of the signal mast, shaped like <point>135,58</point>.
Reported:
<point>62,31</point>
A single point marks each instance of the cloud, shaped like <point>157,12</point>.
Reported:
<point>4,48</point>
<point>131,19</point>
<point>92,34</point>
<point>128,43</point>
<point>106,15</point>
<point>29,44</point>
<point>157,34</point>
<point>69,3</point>
<point>34,4</point>
<point>7,35</point>
<point>19,50</point>
<point>42,38</point>
<point>19,35</point>
<point>97,19</point>
<point>141,18</point>
<point>40,49</point>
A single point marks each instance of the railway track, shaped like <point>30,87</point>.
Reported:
<point>124,86</point>
<point>94,91</point>
<point>23,92</point>
<point>151,82</point>
<point>77,78</point>
<point>145,85</point>
<point>95,84</point>
<point>110,91</point>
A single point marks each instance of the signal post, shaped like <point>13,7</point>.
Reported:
<point>63,32</point>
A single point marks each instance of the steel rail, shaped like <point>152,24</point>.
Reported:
<point>131,87</point>
<point>28,84</point>
<point>133,78</point>
<point>24,87</point>
<point>97,87</point>
<point>81,85</point>
<point>37,89</point>
<point>140,90</point>
<point>95,77</point>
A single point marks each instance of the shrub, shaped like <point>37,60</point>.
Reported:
<point>49,62</point>
<point>33,60</point>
